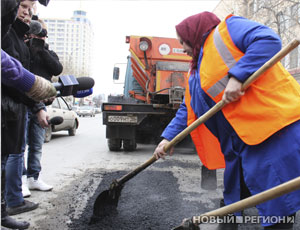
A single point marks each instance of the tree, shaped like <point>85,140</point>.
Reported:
<point>283,16</point>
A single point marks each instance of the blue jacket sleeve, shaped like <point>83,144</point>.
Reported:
<point>258,42</point>
<point>14,74</point>
<point>178,123</point>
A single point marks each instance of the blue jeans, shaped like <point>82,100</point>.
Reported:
<point>13,176</point>
<point>35,140</point>
<point>13,171</point>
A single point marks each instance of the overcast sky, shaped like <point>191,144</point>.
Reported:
<point>113,20</point>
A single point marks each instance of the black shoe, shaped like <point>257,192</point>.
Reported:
<point>26,206</point>
<point>11,223</point>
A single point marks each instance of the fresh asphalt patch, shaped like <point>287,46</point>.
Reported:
<point>151,200</point>
<point>154,199</point>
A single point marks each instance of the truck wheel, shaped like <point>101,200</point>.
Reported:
<point>129,145</point>
<point>114,144</point>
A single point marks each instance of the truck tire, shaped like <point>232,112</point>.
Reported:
<point>114,144</point>
<point>129,145</point>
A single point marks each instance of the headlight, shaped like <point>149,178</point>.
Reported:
<point>144,46</point>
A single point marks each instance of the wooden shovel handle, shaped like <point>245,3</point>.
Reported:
<point>252,201</point>
<point>134,172</point>
<point>216,108</point>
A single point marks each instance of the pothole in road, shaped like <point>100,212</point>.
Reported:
<point>151,200</point>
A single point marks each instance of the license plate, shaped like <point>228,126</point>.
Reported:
<point>123,119</point>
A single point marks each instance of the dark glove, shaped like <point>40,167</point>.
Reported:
<point>36,42</point>
<point>35,46</point>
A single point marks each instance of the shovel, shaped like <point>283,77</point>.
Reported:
<point>192,223</point>
<point>107,201</point>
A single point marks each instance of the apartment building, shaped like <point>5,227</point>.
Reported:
<point>283,16</point>
<point>72,40</point>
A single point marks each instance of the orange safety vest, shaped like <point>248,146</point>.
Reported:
<point>269,104</point>
<point>207,145</point>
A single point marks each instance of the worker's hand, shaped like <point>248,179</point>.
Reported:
<point>43,118</point>
<point>160,152</point>
<point>41,89</point>
<point>233,91</point>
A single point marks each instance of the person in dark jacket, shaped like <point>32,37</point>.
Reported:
<point>17,78</point>
<point>13,111</point>
<point>45,63</point>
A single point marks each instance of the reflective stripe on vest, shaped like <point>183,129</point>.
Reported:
<point>269,104</point>
<point>228,59</point>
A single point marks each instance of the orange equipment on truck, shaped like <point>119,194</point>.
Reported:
<point>154,87</point>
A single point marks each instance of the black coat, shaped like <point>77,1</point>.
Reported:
<point>44,62</point>
<point>13,109</point>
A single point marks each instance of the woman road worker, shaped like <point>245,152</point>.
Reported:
<point>257,134</point>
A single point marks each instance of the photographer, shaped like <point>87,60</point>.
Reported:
<point>45,63</point>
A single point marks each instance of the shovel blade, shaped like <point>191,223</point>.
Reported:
<point>106,203</point>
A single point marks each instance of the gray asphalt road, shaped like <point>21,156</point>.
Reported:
<point>81,167</point>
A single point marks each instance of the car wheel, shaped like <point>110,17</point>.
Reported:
<point>114,144</point>
<point>129,145</point>
<point>72,131</point>
<point>48,134</point>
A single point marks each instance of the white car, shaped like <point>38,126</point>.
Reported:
<point>70,123</point>
<point>86,111</point>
